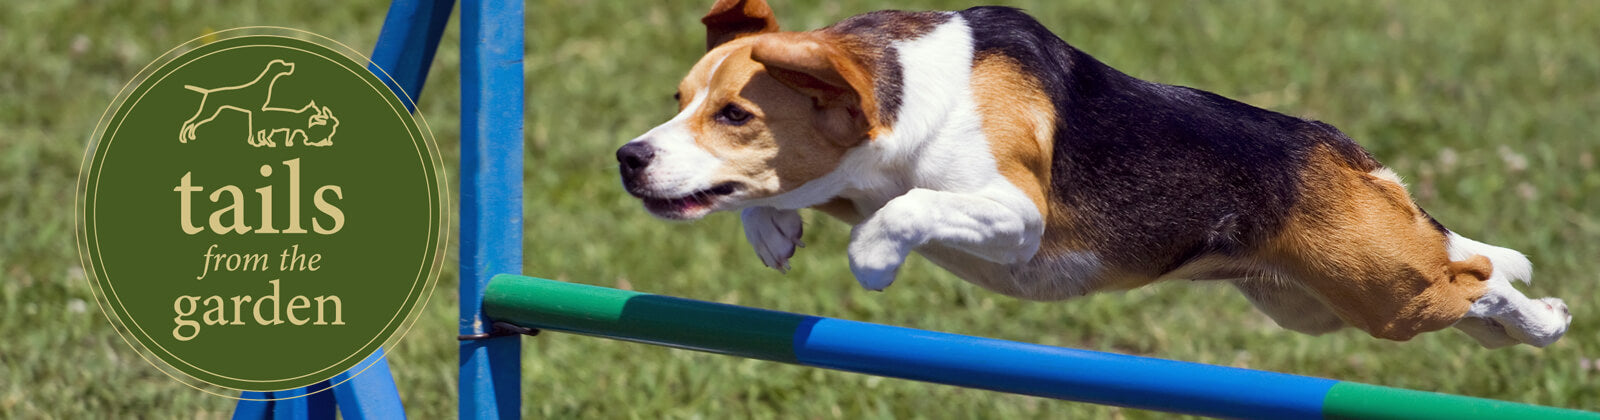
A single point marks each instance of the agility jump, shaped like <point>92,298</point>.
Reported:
<point>491,245</point>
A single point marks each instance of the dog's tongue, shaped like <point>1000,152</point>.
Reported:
<point>677,205</point>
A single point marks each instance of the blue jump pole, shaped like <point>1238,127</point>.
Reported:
<point>491,199</point>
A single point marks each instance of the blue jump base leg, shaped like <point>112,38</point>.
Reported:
<point>407,42</point>
<point>366,391</point>
<point>404,50</point>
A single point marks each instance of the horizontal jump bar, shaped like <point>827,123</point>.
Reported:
<point>974,362</point>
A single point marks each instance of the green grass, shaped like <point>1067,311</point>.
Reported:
<point>1487,108</point>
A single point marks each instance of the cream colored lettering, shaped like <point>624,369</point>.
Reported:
<point>332,211</point>
<point>330,311</point>
<point>230,217</point>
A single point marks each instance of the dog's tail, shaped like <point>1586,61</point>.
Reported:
<point>196,88</point>
<point>1508,264</point>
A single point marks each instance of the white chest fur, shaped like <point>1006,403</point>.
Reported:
<point>932,182</point>
<point>937,141</point>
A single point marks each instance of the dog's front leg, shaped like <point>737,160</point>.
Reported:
<point>773,233</point>
<point>971,223</point>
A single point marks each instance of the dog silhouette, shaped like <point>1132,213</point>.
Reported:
<point>243,98</point>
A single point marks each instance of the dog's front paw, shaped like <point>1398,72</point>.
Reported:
<point>875,257</point>
<point>773,233</point>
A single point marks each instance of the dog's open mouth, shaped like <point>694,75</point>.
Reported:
<point>689,206</point>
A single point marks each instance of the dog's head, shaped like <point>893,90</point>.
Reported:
<point>762,114</point>
<point>280,67</point>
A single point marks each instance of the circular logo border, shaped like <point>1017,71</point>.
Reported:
<point>434,162</point>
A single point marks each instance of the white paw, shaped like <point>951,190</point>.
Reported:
<point>1560,307</point>
<point>875,256</point>
<point>873,273</point>
<point>773,233</point>
<point>1542,325</point>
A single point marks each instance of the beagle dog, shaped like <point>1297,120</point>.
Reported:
<point>1002,154</point>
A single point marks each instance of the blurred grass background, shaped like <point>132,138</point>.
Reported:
<point>1487,108</point>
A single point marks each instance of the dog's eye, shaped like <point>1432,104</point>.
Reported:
<point>733,115</point>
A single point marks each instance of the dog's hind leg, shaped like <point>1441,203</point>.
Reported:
<point>1503,313</point>
<point>1357,242</point>
<point>1288,305</point>
<point>187,132</point>
<point>1490,334</point>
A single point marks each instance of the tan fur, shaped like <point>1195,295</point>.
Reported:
<point>1358,244</point>
<point>789,140</point>
<point>1019,123</point>
<point>820,66</point>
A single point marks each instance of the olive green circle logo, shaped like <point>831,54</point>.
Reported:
<point>259,211</point>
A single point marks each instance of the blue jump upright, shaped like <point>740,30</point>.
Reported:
<point>491,200</point>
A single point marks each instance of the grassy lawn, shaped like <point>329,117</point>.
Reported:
<point>1487,108</point>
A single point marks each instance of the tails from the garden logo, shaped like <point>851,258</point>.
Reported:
<point>250,254</point>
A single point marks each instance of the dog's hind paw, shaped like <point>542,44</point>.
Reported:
<point>1543,325</point>
<point>1536,322</point>
<point>1539,323</point>
<point>773,233</point>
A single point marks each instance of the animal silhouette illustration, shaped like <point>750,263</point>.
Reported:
<point>311,124</point>
<point>318,124</point>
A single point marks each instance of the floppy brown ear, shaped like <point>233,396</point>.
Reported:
<point>839,87</point>
<point>731,19</point>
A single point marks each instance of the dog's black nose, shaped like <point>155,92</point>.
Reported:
<point>634,157</point>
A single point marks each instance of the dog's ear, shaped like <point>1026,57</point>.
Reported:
<point>839,86</point>
<point>731,19</point>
